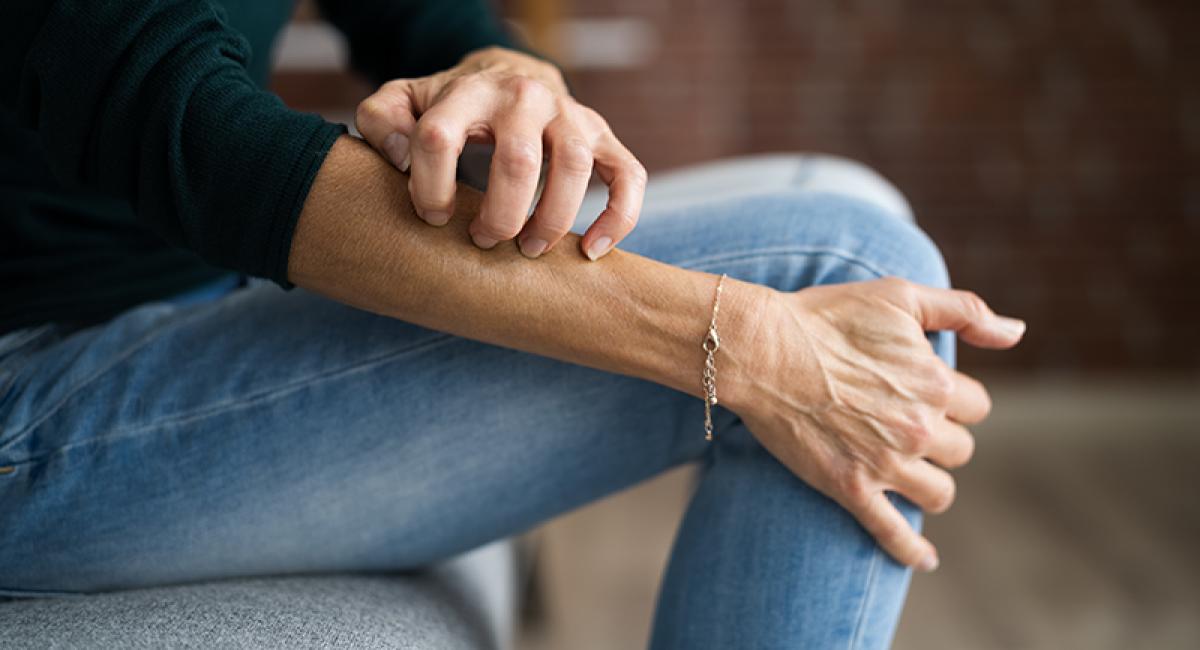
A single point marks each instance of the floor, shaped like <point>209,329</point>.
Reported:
<point>1076,526</point>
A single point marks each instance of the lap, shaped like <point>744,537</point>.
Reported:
<point>274,432</point>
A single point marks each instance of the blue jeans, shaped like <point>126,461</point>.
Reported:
<point>259,431</point>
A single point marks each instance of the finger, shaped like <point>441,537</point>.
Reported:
<point>386,120</point>
<point>895,535</point>
<point>566,183</point>
<point>516,163</point>
<point>969,400</point>
<point>950,445</point>
<point>965,313</point>
<point>437,141</point>
<point>626,179</point>
<point>930,487</point>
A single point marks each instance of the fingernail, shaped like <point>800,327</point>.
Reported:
<point>928,564</point>
<point>396,146</point>
<point>599,247</point>
<point>1011,326</point>
<point>484,242</point>
<point>437,218</point>
<point>532,246</point>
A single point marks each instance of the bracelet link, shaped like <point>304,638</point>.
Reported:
<point>710,345</point>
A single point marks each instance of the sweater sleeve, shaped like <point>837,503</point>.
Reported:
<point>394,39</point>
<point>150,101</point>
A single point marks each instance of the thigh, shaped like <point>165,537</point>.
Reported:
<point>274,431</point>
<point>278,432</point>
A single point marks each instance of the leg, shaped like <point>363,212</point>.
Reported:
<point>793,569</point>
<point>759,174</point>
<point>277,432</point>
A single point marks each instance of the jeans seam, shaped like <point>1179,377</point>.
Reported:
<point>868,594</point>
<point>71,392</point>
<point>759,253</point>
<point>226,406</point>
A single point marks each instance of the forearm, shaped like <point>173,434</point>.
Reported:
<point>359,242</point>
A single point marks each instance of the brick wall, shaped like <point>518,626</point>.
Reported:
<point>1051,147</point>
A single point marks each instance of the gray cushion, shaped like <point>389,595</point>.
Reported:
<point>467,604</point>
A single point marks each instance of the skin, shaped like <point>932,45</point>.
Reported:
<point>837,382</point>
<point>522,105</point>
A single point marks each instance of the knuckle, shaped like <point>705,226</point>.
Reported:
<point>943,498</point>
<point>371,110</point>
<point>501,229</point>
<point>575,157</point>
<point>424,196</point>
<point>519,159</point>
<point>526,89</point>
<point>434,137</point>
<point>428,199</point>
<point>637,172</point>
<point>914,433</point>
<point>941,380</point>
<point>396,85</point>
<point>854,486</point>
<point>594,119</point>
<point>550,229</point>
<point>890,534</point>
<point>901,288</point>
<point>888,463</point>
<point>907,290</point>
<point>974,305</point>
<point>622,217</point>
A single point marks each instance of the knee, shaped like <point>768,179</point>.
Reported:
<point>846,239</point>
<point>837,175</point>
<point>901,248</point>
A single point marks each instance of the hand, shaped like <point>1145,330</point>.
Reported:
<point>845,390</point>
<point>522,105</point>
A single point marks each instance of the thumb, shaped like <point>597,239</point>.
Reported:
<point>965,313</point>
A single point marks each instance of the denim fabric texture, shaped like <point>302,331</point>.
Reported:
<point>254,431</point>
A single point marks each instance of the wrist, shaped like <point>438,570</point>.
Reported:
<point>745,306</point>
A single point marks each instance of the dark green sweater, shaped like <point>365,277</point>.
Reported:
<point>140,155</point>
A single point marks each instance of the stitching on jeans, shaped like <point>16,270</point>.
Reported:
<point>868,595</point>
<point>844,255</point>
<point>74,390</point>
<point>245,402</point>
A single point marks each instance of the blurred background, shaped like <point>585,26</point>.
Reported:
<point>1052,149</point>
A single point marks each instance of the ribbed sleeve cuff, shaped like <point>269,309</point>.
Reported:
<point>304,170</point>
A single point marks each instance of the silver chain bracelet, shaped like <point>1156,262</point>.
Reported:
<point>711,344</point>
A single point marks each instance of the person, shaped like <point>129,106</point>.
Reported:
<point>414,368</point>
